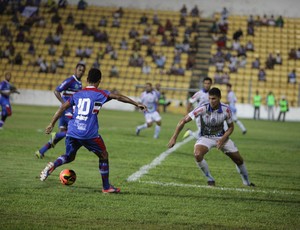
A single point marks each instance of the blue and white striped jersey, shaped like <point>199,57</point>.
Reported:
<point>212,121</point>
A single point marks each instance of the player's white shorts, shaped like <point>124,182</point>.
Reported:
<point>152,117</point>
<point>211,142</point>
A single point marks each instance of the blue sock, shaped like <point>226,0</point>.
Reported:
<point>60,161</point>
<point>45,148</point>
<point>59,136</point>
<point>104,171</point>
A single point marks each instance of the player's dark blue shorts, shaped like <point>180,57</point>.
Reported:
<point>6,107</point>
<point>95,145</point>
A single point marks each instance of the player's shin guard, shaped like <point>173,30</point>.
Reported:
<point>204,168</point>
<point>104,171</point>
<point>242,170</point>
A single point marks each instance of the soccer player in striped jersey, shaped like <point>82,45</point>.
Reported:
<point>150,98</point>
<point>199,98</point>
<point>231,100</point>
<point>6,89</point>
<point>63,92</point>
<point>212,116</point>
<point>83,127</point>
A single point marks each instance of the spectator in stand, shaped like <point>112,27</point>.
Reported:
<point>160,61</point>
<point>169,25</point>
<point>118,13</point>
<point>278,59</point>
<point>146,69</point>
<point>218,78</point>
<point>55,18</point>
<point>180,70</point>
<point>53,66</point>
<point>82,5</point>
<point>292,54</point>
<point>250,20</point>
<point>279,22</point>
<point>232,66</point>
<point>114,54</point>
<point>66,51</point>
<point>237,34</point>
<point>49,39</point>
<point>62,4</point>
<point>242,62</point>
<point>221,42</point>
<point>298,53</point>
<point>133,33</point>
<point>160,30</point>
<point>250,29</point>
<point>220,65</point>
<point>56,39</point>
<point>39,60</point>
<point>182,21</point>
<point>80,25</point>
<point>249,46</point>
<point>183,11</point>
<point>177,57</point>
<point>214,28</point>
<point>103,21</point>
<point>116,22</point>
<point>114,72</point>
<point>256,63</point>
<point>124,44</point>
<point>155,19</point>
<point>61,62</point>
<point>190,62</point>
<point>292,77</point>
<point>96,64</point>
<point>223,26</point>
<point>31,49</point>
<point>88,51</point>
<point>20,36</point>
<point>70,19</point>
<point>225,78</point>
<point>271,21</point>
<point>262,75</point>
<point>59,29</point>
<point>236,45</point>
<point>264,20</point>
<point>79,52</point>
<point>195,11</point>
<point>51,50</point>
<point>18,59</point>
<point>224,13</point>
<point>43,67</point>
<point>242,51</point>
<point>144,19</point>
<point>270,62</point>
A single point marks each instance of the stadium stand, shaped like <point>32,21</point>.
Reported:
<point>266,40</point>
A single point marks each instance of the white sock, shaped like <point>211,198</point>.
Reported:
<point>144,126</point>
<point>204,168</point>
<point>157,131</point>
<point>244,173</point>
<point>240,124</point>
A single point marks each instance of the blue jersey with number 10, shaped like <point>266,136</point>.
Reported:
<point>87,102</point>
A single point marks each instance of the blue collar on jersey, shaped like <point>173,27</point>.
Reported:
<point>210,109</point>
<point>203,90</point>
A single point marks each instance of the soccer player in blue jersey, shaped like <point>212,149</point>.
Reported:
<point>63,92</point>
<point>212,116</point>
<point>150,98</point>
<point>83,127</point>
<point>6,89</point>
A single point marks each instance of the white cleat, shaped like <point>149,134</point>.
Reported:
<point>47,171</point>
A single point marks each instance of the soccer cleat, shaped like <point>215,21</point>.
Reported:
<point>251,185</point>
<point>47,171</point>
<point>51,141</point>
<point>137,131</point>
<point>39,155</point>
<point>244,132</point>
<point>211,183</point>
<point>187,134</point>
<point>111,189</point>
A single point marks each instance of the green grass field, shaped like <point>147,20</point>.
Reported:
<point>172,195</point>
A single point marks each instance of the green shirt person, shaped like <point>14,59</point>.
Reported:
<point>256,103</point>
<point>271,101</point>
<point>284,107</point>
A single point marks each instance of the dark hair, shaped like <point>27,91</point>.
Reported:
<point>94,75</point>
<point>80,64</point>
<point>207,79</point>
<point>214,92</point>
<point>229,85</point>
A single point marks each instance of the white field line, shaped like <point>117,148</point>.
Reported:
<point>145,169</point>
<point>249,190</point>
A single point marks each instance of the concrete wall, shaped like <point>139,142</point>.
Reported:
<point>47,98</point>
<point>287,8</point>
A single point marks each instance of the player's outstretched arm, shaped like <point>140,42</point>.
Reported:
<point>178,129</point>
<point>56,116</point>
<point>126,99</point>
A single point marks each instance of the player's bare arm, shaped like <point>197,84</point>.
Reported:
<point>178,129</point>
<point>125,99</point>
<point>58,96</point>
<point>226,135</point>
<point>56,116</point>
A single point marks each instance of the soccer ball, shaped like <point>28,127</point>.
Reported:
<point>67,176</point>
